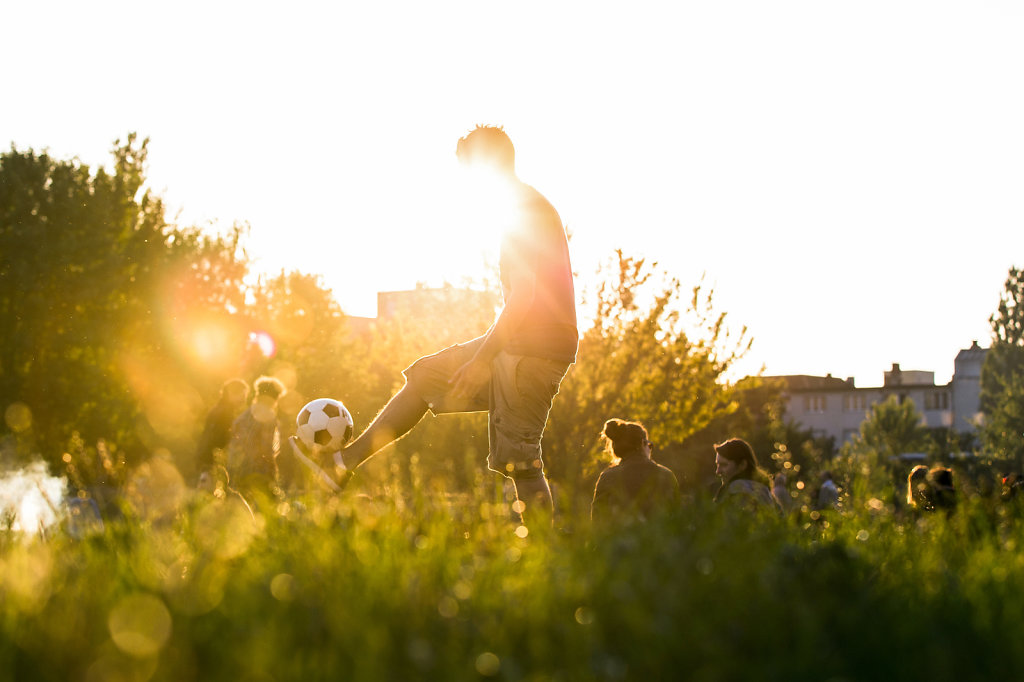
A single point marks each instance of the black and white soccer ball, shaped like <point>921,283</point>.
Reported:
<point>324,425</point>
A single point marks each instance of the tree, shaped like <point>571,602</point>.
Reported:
<point>869,463</point>
<point>651,354</point>
<point>99,297</point>
<point>891,428</point>
<point>1002,376</point>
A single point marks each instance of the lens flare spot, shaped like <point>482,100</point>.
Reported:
<point>156,488</point>
<point>226,528</point>
<point>263,342</point>
<point>140,625</point>
<point>25,576</point>
<point>584,615</point>
<point>282,586</point>
<point>18,417</point>
<point>210,343</point>
<point>448,607</point>
<point>488,664</point>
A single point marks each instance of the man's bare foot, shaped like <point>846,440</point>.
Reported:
<point>342,475</point>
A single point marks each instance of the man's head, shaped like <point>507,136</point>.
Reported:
<point>487,147</point>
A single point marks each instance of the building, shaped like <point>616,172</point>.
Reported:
<point>425,304</point>
<point>835,408</point>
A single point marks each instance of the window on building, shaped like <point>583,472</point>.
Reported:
<point>814,403</point>
<point>937,400</point>
<point>855,402</point>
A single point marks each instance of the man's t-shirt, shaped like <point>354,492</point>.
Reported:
<point>537,242</point>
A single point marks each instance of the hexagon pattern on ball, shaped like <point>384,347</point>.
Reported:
<point>324,425</point>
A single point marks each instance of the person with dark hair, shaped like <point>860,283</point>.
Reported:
<point>634,487</point>
<point>256,442</point>
<point>743,481</point>
<point>780,492</point>
<point>513,371</point>
<point>941,489</point>
<point>217,429</point>
<point>917,489</point>
<point>828,493</point>
<point>931,489</point>
<point>1010,486</point>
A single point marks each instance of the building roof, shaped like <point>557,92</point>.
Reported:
<point>806,382</point>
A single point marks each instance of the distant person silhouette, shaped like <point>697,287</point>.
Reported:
<point>744,484</point>
<point>917,488</point>
<point>635,487</point>
<point>931,489</point>
<point>256,442</point>
<point>828,493</point>
<point>1010,486</point>
<point>941,489</point>
<point>780,493</point>
<point>217,429</point>
<point>513,371</point>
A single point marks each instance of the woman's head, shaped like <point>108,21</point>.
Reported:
<point>735,459</point>
<point>943,492</point>
<point>624,439</point>
<point>917,487</point>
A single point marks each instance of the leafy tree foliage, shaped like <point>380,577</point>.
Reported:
<point>870,460</point>
<point>102,301</point>
<point>308,333</point>
<point>891,429</point>
<point>1002,375</point>
<point>652,353</point>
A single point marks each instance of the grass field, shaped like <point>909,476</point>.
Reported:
<point>419,586</point>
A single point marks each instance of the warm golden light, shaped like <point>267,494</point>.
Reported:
<point>264,343</point>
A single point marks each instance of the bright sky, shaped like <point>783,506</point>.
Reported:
<point>849,176</point>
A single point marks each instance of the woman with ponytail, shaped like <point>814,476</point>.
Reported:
<point>634,486</point>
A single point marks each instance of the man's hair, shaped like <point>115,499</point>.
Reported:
<point>269,386</point>
<point>489,144</point>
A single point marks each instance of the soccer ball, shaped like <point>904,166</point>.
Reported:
<point>324,425</point>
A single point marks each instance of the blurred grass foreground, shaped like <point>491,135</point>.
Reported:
<point>183,585</point>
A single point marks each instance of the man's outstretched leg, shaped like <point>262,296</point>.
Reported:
<point>402,412</point>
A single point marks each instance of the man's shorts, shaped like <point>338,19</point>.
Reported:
<point>517,399</point>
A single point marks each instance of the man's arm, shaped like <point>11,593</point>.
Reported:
<point>469,378</point>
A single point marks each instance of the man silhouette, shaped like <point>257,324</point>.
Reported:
<point>513,371</point>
